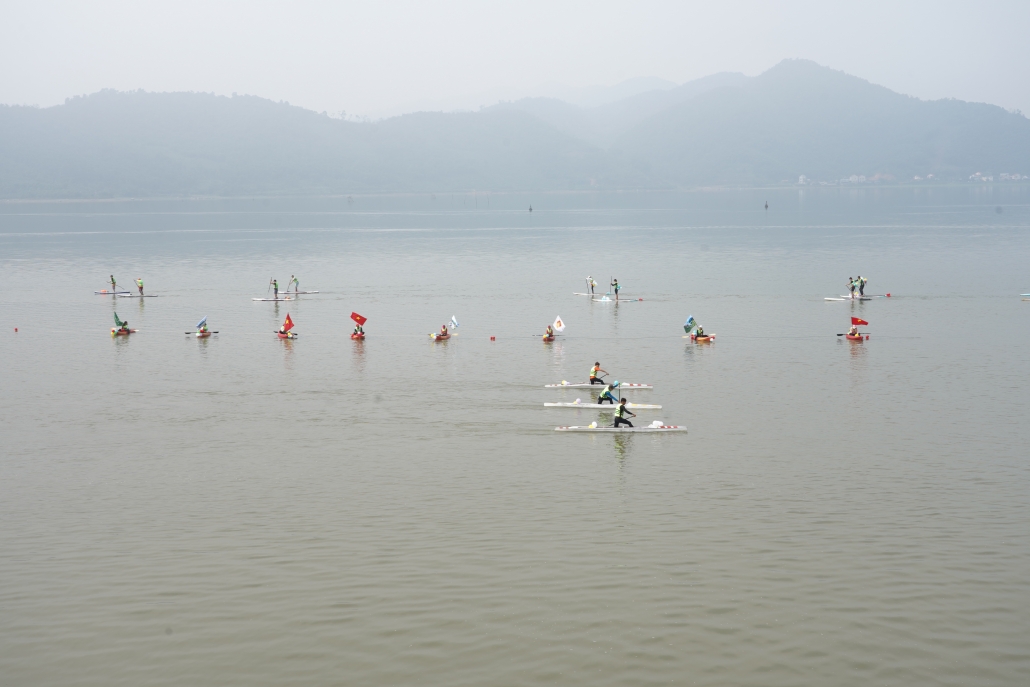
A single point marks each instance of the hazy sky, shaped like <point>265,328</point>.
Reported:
<point>385,57</point>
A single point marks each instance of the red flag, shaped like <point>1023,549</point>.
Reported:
<point>857,320</point>
<point>359,319</point>
<point>288,324</point>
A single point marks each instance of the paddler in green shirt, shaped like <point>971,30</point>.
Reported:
<point>607,394</point>
<point>620,414</point>
<point>275,289</point>
<point>114,284</point>
<point>293,280</point>
<point>139,285</point>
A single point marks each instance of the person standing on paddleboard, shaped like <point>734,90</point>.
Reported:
<point>592,284</point>
<point>608,393</point>
<point>114,284</point>
<point>861,285</point>
<point>293,280</point>
<point>275,288</point>
<point>620,414</point>
<point>139,285</point>
<point>594,371</point>
<point>851,287</point>
<point>615,288</point>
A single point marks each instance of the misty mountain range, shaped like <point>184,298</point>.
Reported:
<point>798,118</point>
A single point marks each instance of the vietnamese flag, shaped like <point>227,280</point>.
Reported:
<point>288,324</point>
<point>858,320</point>
<point>359,319</point>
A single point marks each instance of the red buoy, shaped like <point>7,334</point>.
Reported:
<point>493,338</point>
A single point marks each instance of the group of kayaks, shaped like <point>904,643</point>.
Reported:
<point>607,402</point>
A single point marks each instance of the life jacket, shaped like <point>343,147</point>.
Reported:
<point>593,371</point>
<point>620,411</point>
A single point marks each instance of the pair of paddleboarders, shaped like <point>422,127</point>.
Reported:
<point>294,282</point>
<point>114,284</point>
<point>614,286</point>
<point>858,283</point>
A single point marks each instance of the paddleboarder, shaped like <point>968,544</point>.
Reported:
<point>594,371</point>
<point>620,414</point>
<point>861,285</point>
<point>114,284</point>
<point>851,287</point>
<point>592,284</point>
<point>275,288</point>
<point>293,281</point>
<point>607,394</point>
<point>615,287</point>
<point>139,285</point>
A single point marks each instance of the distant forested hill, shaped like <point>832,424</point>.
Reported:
<point>797,118</point>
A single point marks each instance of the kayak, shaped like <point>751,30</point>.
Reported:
<point>603,406</point>
<point>287,335</point>
<point>702,339</point>
<point>624,385</point>
<point>123,332</point>
<point>859,337</point>
<point>548,339</point>
<point>203,335</point>
<point>439,337</point>
<point>357,337</point>
<point>105,292</point>
<point>652,428</point>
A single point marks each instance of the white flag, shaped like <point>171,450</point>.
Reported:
<point>453,324</point>
<point>558,325</point>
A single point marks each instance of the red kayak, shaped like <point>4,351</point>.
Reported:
<point>548,339</point>
<point>702,339</point>
<point>123,332</point>
<point>357,337</point>
<point>858,337</point>
<point>439,337</point>
<point>287,335</point>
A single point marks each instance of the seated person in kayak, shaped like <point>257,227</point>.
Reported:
<point>202,329</point>
<point>358,331</point>
<point>443,332</point>
<point>700,333</point>
<point>607,394</point>
<point>853,331</point>
<point>283,330</point>
<point>549,333</point>
<point>620,414</point>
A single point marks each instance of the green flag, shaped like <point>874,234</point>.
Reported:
<point>118,322</point>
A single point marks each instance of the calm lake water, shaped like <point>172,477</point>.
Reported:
<point>247,511</point>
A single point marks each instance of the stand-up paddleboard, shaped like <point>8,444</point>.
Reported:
<point>273,299</point>
<point>1024,294</point>
<point>105,292</point>
<point>577,293</point>
<point>301,293</point>
<point>628,430</point>
<point>603,406</point>
<point>137,295</point>
<point>625,386</point>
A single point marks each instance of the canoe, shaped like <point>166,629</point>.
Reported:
<point>860,337</point>
<point>202,335</point>
<point>702,339</point>
<point>604,406</point>
<point>548,339</point>
<point>357,337</point>
<point>659,428</point>
<point>287,335</point>
<point>123,332</point>
<point>438,337</point>
<point>625,386</point>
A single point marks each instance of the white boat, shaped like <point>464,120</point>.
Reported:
<point>137,295</point>
<point>603,406</point>
<point>299,292</point>
<point>273,299</point>
<point>626,386</point>
<point>105,292</point>
<point>627,430</point>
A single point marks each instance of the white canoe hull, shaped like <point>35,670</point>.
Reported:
<point>623,387</point>
<point>623,430</point>
<point>603,406</point>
